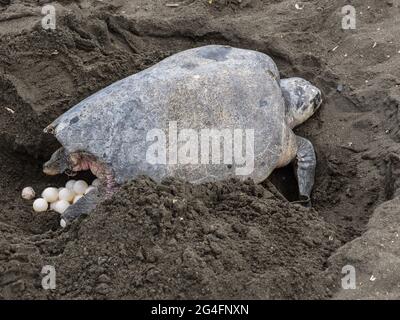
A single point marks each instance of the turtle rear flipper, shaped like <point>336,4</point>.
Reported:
<point>83,206</point>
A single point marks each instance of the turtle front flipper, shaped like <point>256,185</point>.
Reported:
<point>305,169</point>
<point>83,206</point>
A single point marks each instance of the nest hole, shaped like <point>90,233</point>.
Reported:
<point>285,181</point>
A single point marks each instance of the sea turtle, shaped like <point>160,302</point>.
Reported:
<point>206,92</point>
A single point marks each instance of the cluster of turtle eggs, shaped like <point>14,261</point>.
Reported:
<point>59,198</point>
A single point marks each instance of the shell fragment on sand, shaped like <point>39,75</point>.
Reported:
<point>28,193</point>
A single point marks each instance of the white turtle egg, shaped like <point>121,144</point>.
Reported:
<point>70,184</point>
<point>40,205</point>
<point>61,206</point>
<point>80,187</point>
<point>96,182</point>
<point>66,194</point>
<point>52,205</point>
<point>28,193</point>
<point>90,188</point>
<point>77,197</point>
<point>50,194</point>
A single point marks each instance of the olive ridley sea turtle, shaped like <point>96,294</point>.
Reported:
<point>213,87</point>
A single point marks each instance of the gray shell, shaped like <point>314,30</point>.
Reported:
<point>216,87</point>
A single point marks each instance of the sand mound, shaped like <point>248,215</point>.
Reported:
<point>177,240</point>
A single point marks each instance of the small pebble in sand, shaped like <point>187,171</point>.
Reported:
<point>372,278</point>
<point>80,187</point>
<point>28,193</point>
<point>50,194</point>
<point>66,194</point>
<point>40,205</point>
<point>95,182</point>
<point>299,6</point>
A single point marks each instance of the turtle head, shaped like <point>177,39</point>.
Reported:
<point>58,163</point>
<point>302,100</point>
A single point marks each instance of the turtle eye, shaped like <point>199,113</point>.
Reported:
<point>50,130</point>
